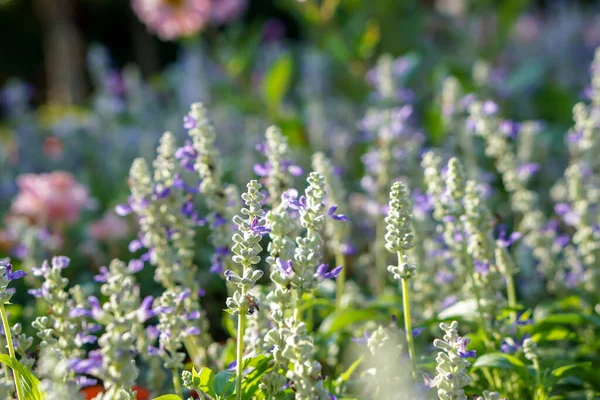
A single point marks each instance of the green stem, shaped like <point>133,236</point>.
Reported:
<point>11,350</point>
<point>512,295</point>
<point>471,272</point>
<point>177,383</point>
<point>407,320</point>
<point>341,279</point>
<point>240,349</point>
<point>196,353</point>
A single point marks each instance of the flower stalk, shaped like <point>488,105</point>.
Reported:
<point>11,351</point>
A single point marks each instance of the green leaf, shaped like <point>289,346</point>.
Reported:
<point>348,373</point>
<point>568,319</point>
<point>206,377</point>
<point>555,334</point>
<point>29,383</point>
<point>222,383</point>
<point>502,361</point>
<point>252,379</point>
<point>168,397</point>
<point>338,321</point>
<point>277,81</point>
<point>581,370</point>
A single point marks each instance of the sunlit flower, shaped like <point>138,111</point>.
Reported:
<point>172,19</point>
<point>51,197</point>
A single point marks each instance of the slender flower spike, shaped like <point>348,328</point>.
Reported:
<point>399,236</point>
<point>451,368</point>
<point>278,171</point>
<point>246,249</point>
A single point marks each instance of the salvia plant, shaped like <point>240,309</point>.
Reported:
<point>449,252</point>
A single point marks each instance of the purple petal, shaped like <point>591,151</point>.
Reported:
<point>123,209</point>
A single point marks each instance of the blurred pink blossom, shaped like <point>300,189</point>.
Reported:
<point>109,227</point>
<point>171,19</point>
<point>50,198</point>
<point>222,11</point>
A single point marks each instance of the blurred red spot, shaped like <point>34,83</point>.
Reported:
<point>90,392</point>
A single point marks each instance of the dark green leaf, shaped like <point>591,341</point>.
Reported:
<point>502,361</point>
<point>222,384</point>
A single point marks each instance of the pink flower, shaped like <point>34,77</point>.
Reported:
<point>49,198</point>
<point>110,227</point>
<point>225,10</point>
<point>171,19</point>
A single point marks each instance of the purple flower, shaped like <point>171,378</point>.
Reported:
<point>187,208</point>
<point>256,227</point>
<point>103,275</point>
<point>299,204</point>
<point>39,293</point>
<point>294,170</point>
<point>418,331</point>
<point>348,249</point>
<point>462,347</point>
<point>481,267</point>
<point>490,108</point>
<point>567,213</point>
<point>189,122</point>
<point>123,209</point>
<point>11,276</point>
<point>217,265</point>
<point>148,255</point>
<point>442,277</point>
<point>527,170</point>
<point>81,338</point>
<point>193,315</point>
<point>187,156</point>
<point>135,245</point>
<point>322,271</point>
<point>337,217</point>
<point>96,309</point>
<point>135,266</point>
<point>162,193</point>
<point>286,267</point>
<point>60,262</point>
<point>83,381</point>
<point>288,195</point>
<point>153,351</point>
<point>510,128</point>
<point>145,312</point>
<point>261,170</point>
<point>192,330</point>
<point>219,220</point>
<point>152,332</point>
<point>504,241</point>
<point>90,366</point>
